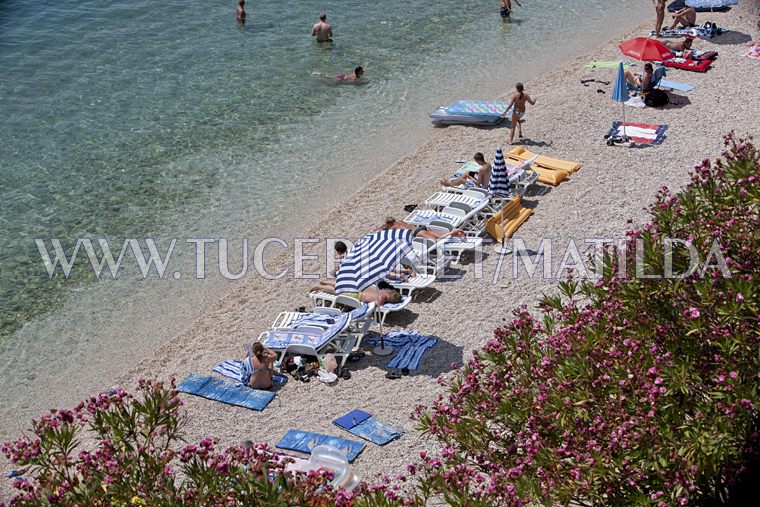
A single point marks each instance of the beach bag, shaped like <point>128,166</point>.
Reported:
<point>656,98</point>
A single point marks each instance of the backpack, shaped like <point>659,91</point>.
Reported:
<point>656,98</point>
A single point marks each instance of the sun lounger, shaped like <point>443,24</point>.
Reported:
<point>313,340</point>
<point>454,248</point>
<point>519,153</point>
<point>514,216</point>
<point>382,312</point>
<point>440,200</point>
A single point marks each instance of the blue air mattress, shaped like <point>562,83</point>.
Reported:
<point>470,112</point>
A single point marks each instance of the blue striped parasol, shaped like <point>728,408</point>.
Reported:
<point>499,183</point>
<point>371,258</point>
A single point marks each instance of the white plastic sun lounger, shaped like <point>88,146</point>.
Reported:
<point>312,340</point>
<point>440,200</point>
<point>380,313</point>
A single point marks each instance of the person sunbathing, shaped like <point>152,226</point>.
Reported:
<point>644,82</point>
<point>369,295</point>
<point>420,230</point>
<point>679,46</point>
<point>478,178</point>
<point>262,366</point>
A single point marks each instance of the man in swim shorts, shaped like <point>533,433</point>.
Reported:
<point>322,30</point>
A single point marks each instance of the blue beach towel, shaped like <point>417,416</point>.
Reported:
<point>364,425</point>
<point>410,347</point>
<point>681,87</point>
<point>226,392</point>
<point>304,441</point>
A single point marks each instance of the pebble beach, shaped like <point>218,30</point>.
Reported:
<point>610,191</point>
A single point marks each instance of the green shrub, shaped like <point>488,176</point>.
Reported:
<point>629,390</point>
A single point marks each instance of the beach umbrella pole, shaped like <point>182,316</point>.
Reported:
<point>381,350</point>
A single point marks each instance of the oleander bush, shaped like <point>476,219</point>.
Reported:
<point>628,390</point>
<point>138,458</point>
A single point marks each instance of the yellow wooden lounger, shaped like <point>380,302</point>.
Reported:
<point>555,164</point>
<point>514,215</point>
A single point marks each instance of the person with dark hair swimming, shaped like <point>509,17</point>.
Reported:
<point>354,76</point>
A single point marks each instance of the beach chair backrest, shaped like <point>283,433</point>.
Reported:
<point>461,205</point>
<point>659,73</point>
<point>455,212</point>
<point>439,226</point>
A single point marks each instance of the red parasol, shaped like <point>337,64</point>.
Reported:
<point>646,50</point>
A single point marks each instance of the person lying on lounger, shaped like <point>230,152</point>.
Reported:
<point>369,295</point>
<point>642,82</point>
<point>421,230</point>
<point>262,366</point>
<point>478,178</point>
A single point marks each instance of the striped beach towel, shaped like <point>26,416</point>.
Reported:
<point>640,132</point>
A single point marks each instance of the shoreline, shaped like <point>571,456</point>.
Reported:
<point>611,188</point>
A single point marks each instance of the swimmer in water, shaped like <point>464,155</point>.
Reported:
<point>240,12</point>
<point>356,75</point>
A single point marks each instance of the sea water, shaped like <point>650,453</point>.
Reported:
<point>145,119</point>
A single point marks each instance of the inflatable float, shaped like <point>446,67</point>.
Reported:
<point>470,112</point>
<point>551,171</point>
<point>514,216</point>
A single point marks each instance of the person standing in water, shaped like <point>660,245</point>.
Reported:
<point>519,98</point>
<point>322,30</point>
<point>506,8</point>
<point>240,12</point>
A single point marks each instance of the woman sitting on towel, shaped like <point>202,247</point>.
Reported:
<point>478,178</point>
<point>420,231</point>
<point>642,82</point>
<point>262,366</point>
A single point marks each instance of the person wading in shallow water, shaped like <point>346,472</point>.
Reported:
<point>506,8</point>
<point>322,30</point>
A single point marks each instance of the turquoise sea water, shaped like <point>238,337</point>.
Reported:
<point>167,119</point>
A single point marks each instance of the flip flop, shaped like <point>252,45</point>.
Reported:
<point>393,375</point>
